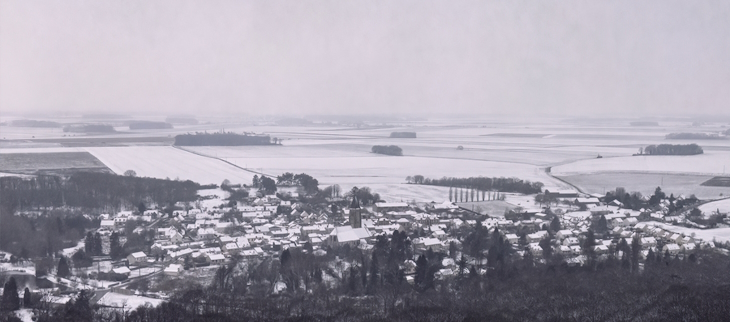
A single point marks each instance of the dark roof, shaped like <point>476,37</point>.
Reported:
<point>355,204</point>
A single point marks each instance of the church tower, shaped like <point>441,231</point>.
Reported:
<point>355,213</point>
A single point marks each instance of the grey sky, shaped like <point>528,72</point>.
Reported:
<point>365,56</point>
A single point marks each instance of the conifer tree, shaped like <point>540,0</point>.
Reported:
<point>26,298</point>
<point>10,299</point>
<point>63,269</point>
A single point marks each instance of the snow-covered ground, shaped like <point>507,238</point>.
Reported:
<point>127,301</point>
<point>168,162</point>
<point>23,267</point>
<point>710,163</point>
<point>340,154</point>
<point>68,252</point>
<point>721,205</point>
<point>25,315</point>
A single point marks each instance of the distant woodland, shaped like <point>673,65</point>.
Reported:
<point>717,182</point>
<point>222,139</point>
<point>671,149</point>
<point>63,225</point>
<point>181,120</point>
<point>148,125</point>
<point>644,123</point>
<point>86,128</point>
<point>693,136</point>
<point>34,123</point>
<point>387,150</point>
<point>90,190</point>
<point>482,183</point>
<point>409,135</point>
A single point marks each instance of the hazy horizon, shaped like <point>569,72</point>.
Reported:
<point>518,58</point>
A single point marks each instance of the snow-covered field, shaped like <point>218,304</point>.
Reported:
<point>709,163</point>
<point>129,302</point>
<point>721,205</point>
<point>646,183</point>
<point>366,168</point>
<point>340,154</point>
<point>168,162</point>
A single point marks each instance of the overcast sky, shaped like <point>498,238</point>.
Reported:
<point>523,57</point>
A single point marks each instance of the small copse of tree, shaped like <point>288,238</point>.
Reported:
<point>387,150</point>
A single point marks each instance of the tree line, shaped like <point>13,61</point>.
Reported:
<point>481,184</point>
<point>387,150</point>
<point>85,128</point>
<point>671,149</point>
<point>409,135</point>
<point>144,125</point>
<point>222,139</point>
<point>34,123</point>
<point>92,190</point>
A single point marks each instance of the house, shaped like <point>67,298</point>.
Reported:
<point>206,233</point>
<point>561,194</point>
<point>570,241</point>
<point>600,249</point>
<point>618,222</point>
<point>537,236</point>
<point>648,242</point>
<point>107,224</point>
<point>216,258</point>
<point>587,201</point>
<point>138,257</point>
<point>673,249</point>
<point>565,250</point>
<point>122,270</point>
<point>512,238</point>
<point>390,206</point>
<point>688,247</point>
<point>563,234</point>
<point>347,235</point>
<point>423,244</point>
<point>173,270</point>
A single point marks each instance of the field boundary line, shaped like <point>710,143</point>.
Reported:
<point>219,159</point>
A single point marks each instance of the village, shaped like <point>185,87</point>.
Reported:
<point>194,241</point>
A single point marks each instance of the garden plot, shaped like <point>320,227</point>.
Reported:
<point>168,162</point>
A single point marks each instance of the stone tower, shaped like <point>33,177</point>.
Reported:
<point>355,213</point>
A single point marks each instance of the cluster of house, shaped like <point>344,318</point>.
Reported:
<point>212,236</point>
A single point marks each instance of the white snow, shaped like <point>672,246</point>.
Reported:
<point>168,162</point>
<point>710,163</point>
<point>717,234</point>
<point>127,301</point>
<point>711,207</point>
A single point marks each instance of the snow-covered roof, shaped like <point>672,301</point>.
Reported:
<point>214,257</point>
<point>139,255</point>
